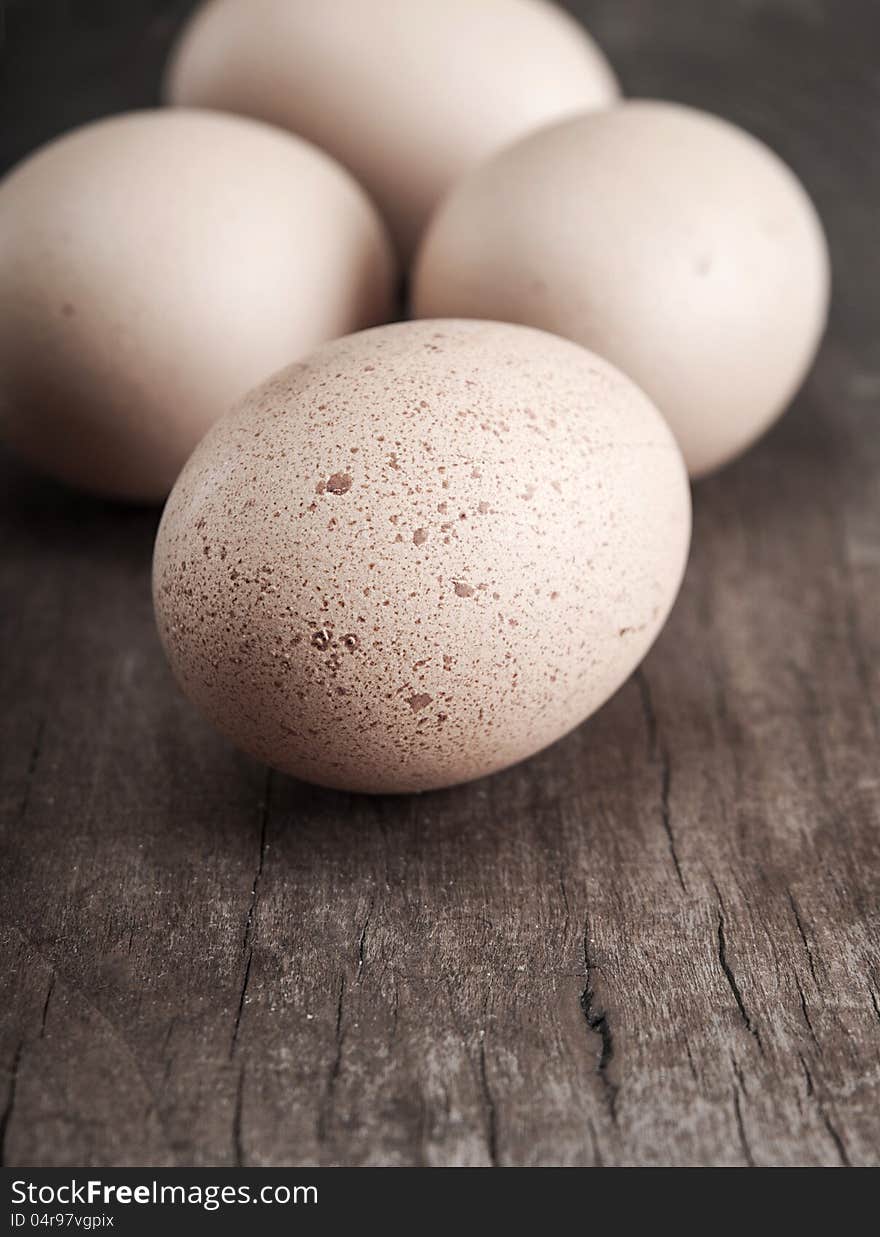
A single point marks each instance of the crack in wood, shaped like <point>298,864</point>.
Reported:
<point>658,751</point>
<point>247,940</point>
<point>261,859</point>
<point>242,997</point>
<point>597,1021</point>
<point>830,1128</point>
<point>806,1014</point>
<point>45,1013</point>
<point>489,1105</point>
<point>803,936</point>
<point>339,1030</point>
<point>362,943</point>
<point>564,893</point>
<point>665,816</point>
<point>727,971</point>
<point>6,1114</point>
<point>808,1077</point>
<point>395,1008</point>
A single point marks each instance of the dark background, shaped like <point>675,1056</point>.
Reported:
<point>655,943</point>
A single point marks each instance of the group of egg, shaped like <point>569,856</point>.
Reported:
<point>425,550</point>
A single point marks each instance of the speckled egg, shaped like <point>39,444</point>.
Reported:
<point>422,554</point>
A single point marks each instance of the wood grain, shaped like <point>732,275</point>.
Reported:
<point>656,943</point>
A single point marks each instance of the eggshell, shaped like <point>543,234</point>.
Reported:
<point>153,267</point>
<point>422,554</point>
<point>665,239</point>
<point>408,94</point>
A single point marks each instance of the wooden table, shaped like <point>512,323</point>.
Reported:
<point>656,943</point>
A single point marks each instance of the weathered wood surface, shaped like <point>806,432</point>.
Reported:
<point>657,943</point>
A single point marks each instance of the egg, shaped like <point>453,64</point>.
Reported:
<point>669,241</point>
<point>153,267</point>
<point>408,94</point>
<point>421,554</point>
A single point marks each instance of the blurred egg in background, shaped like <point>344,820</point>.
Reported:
<point>407,94</point>
<point>667,240</point>
<point>153,267</point>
